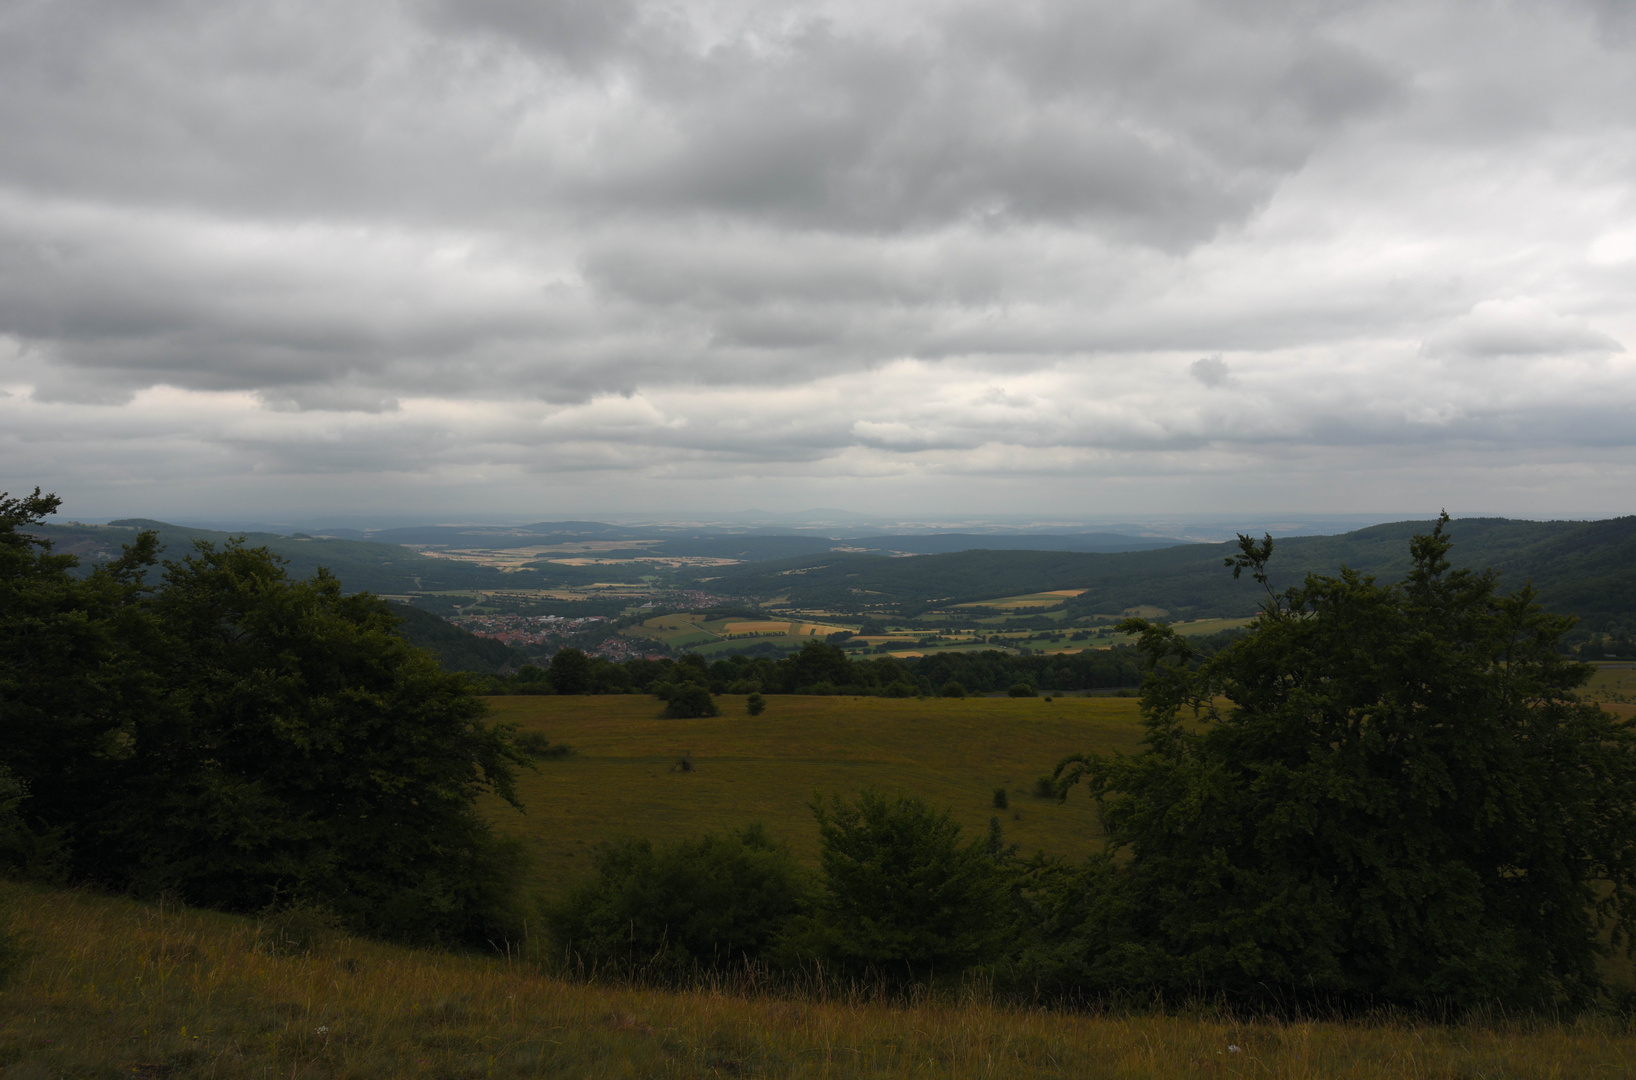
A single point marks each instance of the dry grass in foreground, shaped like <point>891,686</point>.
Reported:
<point>113,988</point>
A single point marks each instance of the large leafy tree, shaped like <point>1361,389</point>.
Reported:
<point>1382,793</point>
<point>241,738</point>
<point>71,671</point>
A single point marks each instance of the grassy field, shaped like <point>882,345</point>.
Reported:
<point>624,779</point>
<point>699,634</point>
<point>1614,685</point>
<point>112,988</point>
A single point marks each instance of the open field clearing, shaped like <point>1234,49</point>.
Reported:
<point>764,626</point>
<point>112,988</point>
<point>646,560</point>
<point>689,631</point>
<point>1201,627</point>
<point>1614,685</point>
<point>624,780</point>
<point>1027,600</point>
<point>601,591</point>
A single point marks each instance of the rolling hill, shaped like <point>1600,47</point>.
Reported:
<point>1583,568</point>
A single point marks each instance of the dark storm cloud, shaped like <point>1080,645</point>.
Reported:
<point>749,240</point>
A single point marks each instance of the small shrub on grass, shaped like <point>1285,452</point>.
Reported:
<point>299,929</point>
<point>755,704</point>
<point>1045,788</point>
<point>952,689</point>
<point>666,911</point>
<point>1022,689</point>
<point>902,894</point>
<point>536,745</point>
<point>900,689</point>
<point>689,701</point>
<point>1001,801</point>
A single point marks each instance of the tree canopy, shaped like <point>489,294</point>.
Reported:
<point>1384,793</point>
<point>242,739</point>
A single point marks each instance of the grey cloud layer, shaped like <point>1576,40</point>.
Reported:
<point>735,239</point>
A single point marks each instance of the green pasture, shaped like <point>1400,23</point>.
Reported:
<point>707,636</point>
<point>624,778</point>
<point>1614,685</point>
<point>999,621</point>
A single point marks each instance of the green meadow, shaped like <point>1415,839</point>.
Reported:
<point>700,634</point>
<point>625,777</point>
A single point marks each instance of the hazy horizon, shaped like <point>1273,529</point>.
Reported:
<point>1201,528</point>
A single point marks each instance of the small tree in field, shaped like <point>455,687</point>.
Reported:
<point>1382,793</point>
<point>570,672</point>
<point>690,701</point>
<point>902,894</point>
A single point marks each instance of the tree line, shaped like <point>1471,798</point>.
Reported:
<point>210,729</point>
<point>819,667</point>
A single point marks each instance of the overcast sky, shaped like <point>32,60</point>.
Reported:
<point>548,258</point>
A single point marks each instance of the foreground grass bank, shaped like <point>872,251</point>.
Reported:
<point>624,778</point>
<point>113,988</point>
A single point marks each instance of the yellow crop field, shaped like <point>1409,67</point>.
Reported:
<point>765,626</point>
<point>687,630</point>
<point>1027,600</point>
<point>624,781</point>
<point>1199,627</point>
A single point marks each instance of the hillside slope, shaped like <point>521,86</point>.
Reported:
<point>1584,568</point>
<point>455,648</point>
<point>112,987</point>
<point>361,565</point>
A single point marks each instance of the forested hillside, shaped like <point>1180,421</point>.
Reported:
<point>1585,569</point>
<point>455,649</point>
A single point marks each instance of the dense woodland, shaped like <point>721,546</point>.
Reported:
<point>1378,794</point>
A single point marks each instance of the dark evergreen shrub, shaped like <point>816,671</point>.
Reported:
<point>902,895</point>
<point>690,700</point>
<point>666,910</point>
